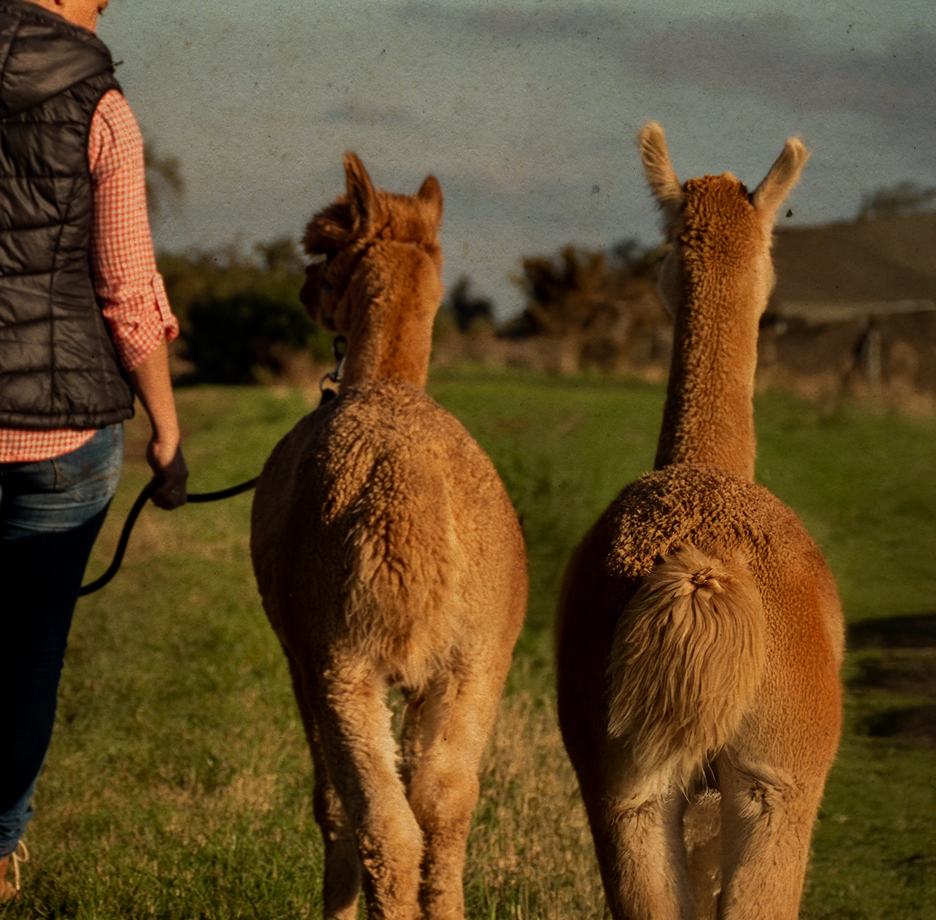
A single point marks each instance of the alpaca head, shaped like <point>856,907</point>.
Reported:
<point>363,229</point>
<point>717,231</point>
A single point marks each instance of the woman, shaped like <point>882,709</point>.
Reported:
<point>84,324</point>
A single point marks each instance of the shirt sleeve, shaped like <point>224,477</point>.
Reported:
<point>131,290</point>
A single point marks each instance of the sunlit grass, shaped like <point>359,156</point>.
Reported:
<point>178,785</point>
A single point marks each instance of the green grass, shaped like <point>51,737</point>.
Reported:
<point>178,784</point>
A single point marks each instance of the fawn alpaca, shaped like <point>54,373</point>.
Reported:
<point>699,631</point>
<point>388,554</point>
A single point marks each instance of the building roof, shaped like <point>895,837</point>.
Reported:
<point>878,266</point>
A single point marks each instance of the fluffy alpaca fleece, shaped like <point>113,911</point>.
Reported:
<point>699,631</point>
<point>388,554</point>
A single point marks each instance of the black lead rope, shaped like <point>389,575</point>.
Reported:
<point>142,499</point>
<point>339,348</point>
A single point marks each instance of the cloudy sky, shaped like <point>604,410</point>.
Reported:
<point>526,110</point>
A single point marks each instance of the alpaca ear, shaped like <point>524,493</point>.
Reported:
<point>783,175</point>
<point>658,169</point>
<point>362,196</point>
<point>430,192</point>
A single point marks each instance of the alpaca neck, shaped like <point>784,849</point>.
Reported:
<point>393,338</point>
<point>709,413</point>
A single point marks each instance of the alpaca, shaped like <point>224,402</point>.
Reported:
<point>388,554</point>
<point>699,631</point>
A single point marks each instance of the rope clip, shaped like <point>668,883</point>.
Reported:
<point>340,351</point>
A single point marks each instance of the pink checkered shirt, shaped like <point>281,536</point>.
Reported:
<point>130,289</point>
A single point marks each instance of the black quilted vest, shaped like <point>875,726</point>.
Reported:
<point>58,366</point>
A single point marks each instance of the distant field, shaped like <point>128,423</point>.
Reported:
<point>178,785</point>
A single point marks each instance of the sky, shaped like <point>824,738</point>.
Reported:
<point>525,110</point>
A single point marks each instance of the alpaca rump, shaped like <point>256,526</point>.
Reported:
<point>639,595</point>
<point>387,554</point>
<point>400,542</point>
<point>699,632</point>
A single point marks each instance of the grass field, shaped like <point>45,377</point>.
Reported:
<point>178,785</point>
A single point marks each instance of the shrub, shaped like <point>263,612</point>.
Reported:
<point>241,318</point>
<point>235,339</point>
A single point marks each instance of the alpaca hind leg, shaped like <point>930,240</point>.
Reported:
<point>447,729</point>
<point>342,884</point>
<point>767,822</point>
<point>701,830</point>
<point>638,831</point>
<point>360,755</point>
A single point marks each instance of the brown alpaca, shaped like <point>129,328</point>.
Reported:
<point>699,631</point>
<point>388,555</point>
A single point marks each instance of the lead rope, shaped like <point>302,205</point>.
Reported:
<point>339,350</point>
<point>17,859</point>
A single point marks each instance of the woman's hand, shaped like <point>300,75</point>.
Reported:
<point>170,465</point>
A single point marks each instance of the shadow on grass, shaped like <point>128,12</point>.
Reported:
<point>913,631</point>
<point>915,725</point>
<point>899,658</point>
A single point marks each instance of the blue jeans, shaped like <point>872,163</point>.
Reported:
<point>50,515</point>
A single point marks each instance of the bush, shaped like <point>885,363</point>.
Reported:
<point>241,318</point>
<point>235,339</point>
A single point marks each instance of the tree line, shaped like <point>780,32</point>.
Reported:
<point>242,321</point>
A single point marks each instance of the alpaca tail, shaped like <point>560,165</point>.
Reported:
<point>686,659</point>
